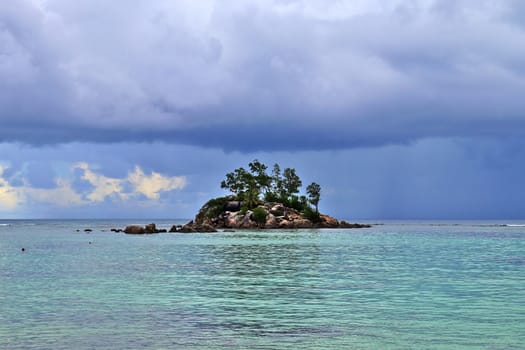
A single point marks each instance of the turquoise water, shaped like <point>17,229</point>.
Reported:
<point>394,286</point>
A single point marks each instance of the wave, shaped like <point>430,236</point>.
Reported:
<point>17,224</point>
<point>494,225</point>
<point>451,224</point>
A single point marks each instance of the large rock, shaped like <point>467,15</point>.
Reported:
<point>283,223</point>
<point>139,230</point>
<point>328,222</point>
<point>277,210</point>
<point>302,223</point>
<point>271,221</point>
<point>151,228</point>
<point>134,230</point>
<point>232,206</point>
<point>205,228</point>
<point>247,221</point>
<point>192,227</point>
<point>188,228</point>
<point>233,220</point>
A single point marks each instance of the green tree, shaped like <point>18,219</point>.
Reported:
<point>273,194</point>
<point>247,185</point>
<point>262,179</point>
<point>276,172</point>
<point>314,195</point>
<point>236,182</point>
<point>251,196</point>
<point>291,183</point>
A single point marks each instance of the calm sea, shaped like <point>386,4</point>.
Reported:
<point>400,285</point>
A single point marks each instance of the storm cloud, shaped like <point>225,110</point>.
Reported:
<point>261,75</point>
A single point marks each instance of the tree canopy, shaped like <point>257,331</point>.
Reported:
<point>314,195</point>
<point>253,185</point>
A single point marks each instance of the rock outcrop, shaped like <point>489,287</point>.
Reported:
<point>151,228</point>
<point>139,230</point>
<point>227,214</point>
<point>134,230</point>
<point>192,227</point>
<point>215,215</point>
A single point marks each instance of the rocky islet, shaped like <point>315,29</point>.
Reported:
<point>231,216</point>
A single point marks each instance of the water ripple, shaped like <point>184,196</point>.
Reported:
<point>422,287</point>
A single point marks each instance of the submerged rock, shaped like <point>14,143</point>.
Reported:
<point>344,224</point>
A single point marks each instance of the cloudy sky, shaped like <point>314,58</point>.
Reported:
<point>400,109</point>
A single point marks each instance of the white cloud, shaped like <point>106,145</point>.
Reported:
<point>151,186</point>
<point>103,186</point>
<point>9,196</point>
<point>64,194</point>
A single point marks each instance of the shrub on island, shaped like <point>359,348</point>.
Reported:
<point>259,216</point>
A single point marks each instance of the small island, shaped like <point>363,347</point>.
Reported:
<point>259,200</point>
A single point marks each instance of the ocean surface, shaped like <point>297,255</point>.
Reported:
<point>399,285</point>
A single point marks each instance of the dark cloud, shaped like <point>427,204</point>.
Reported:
<point>265,75</point>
